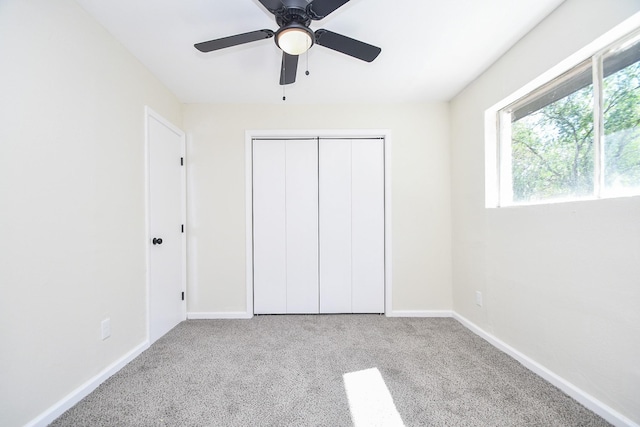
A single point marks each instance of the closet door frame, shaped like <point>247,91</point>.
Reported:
<point>251,135</point>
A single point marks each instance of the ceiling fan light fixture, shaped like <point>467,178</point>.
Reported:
<point>294,39</point>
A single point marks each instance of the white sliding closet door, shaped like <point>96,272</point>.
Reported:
<point>285,226</point>
<point>269,227</point>
<point>302,226</point>
<point>351,225</point>
<point>367,229</point>
<point>335,226</point>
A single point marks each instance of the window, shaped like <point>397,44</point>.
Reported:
<point>578,136</point>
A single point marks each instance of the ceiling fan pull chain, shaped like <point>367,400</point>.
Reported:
<point>306,73</point>
<point>284,73</point>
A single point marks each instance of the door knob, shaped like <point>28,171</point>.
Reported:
<point>157,241</point>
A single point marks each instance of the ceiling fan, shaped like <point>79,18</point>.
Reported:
<point>294,36</point>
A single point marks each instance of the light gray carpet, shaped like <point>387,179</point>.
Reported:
<point>288,371</point>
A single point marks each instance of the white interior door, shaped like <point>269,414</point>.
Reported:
<point>166,245</point>
<point>285,226</point>
<point>351,226</point>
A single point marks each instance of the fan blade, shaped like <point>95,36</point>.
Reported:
<point>288,69</point>
<point>224,42</point>
<point>347,45</point>
<point>271,5</point>
<point>319,9</point>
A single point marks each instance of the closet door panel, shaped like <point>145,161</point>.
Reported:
<point>335,226</point>
<point>269,227</point>
<point>302,226</point>
<point>367,238</point>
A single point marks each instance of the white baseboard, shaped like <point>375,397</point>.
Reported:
<point>220,315</point>
<point>420,313</point>
<point>85,389</point>
<point>588,401</point>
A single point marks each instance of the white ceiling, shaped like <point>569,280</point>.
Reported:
<point>430,49</point>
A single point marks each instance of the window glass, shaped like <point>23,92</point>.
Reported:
<point>621,112</point>
<point>552,141</point>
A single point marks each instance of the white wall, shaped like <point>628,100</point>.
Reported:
<point>72,245</point>
<point>216,206</point>
<point>561,282</point>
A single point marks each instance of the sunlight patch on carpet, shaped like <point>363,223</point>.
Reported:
<point>370,402</point>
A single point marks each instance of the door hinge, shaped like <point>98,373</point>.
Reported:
<point>183,296</point>
<point>182,228</point>
<point>181,161</point>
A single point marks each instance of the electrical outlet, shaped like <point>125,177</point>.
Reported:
<point>479,298</point>
<point>106,328</point>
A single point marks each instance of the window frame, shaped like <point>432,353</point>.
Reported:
<point>498,157</point>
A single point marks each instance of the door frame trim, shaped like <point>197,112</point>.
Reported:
<point>250,135</point>
<point>151,114</point>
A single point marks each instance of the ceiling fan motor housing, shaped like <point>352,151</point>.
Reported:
<point>293,15</point>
